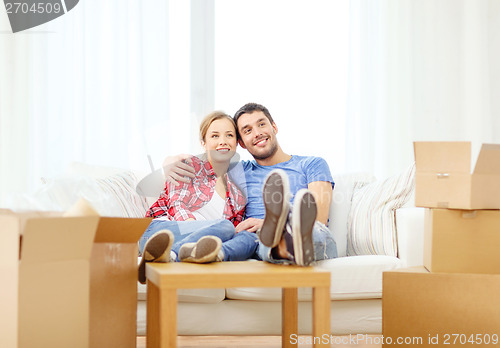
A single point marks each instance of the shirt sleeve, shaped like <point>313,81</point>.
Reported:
<point>178,208</point>
<point>317,169</point>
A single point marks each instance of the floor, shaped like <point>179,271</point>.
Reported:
<point>358,341</point>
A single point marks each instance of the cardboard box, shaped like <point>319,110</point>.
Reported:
<point>426,309</point>
<point>48,282</point>
<point>462,241</point>
<point>443,178</point>
<point>74,284</point>
<point>113,285</point>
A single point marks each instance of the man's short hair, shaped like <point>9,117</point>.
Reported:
<point>248,109</point>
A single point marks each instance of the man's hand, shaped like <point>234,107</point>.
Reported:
<point>176,170</point>
<point>250,225</point>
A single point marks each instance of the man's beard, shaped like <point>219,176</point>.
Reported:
<point>266,155</point>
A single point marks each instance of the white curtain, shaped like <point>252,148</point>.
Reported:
<point>357,82</point>
<point>421,70</point>
<point>97,85</point>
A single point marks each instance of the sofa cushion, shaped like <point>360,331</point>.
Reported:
<point>341,205</point>
<point>353,277</point>
<point>371,221</point>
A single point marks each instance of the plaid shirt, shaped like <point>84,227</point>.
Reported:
<point>178,202</point>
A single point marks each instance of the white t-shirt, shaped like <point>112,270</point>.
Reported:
<point>213,210</point>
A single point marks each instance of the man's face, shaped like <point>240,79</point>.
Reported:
<point>258,135</point>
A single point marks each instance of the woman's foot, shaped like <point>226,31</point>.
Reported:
<point>156,249</point>
<point>204,250</point>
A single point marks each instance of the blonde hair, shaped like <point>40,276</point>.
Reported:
<point>211,117</point>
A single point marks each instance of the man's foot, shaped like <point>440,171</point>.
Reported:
<point>276,196</point>
<point>303,218</point>
<point>157,248</point>
<point>204,250</point>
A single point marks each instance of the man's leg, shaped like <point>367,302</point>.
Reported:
<point>304,240</point>
<point>325,247</point>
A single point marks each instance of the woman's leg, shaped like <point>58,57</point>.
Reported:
<point>181,230</point>
<point>241,247</point>
<point>223,229</point>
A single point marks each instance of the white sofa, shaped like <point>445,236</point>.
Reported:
<point>356,288</point>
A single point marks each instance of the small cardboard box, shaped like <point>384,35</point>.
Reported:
<point>424,309</point>
<point>113,284</point>
<point>462,241</point>
<point>443,178</point>
<point>48,282</point>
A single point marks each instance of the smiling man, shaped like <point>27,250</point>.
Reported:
<point>288,196</point>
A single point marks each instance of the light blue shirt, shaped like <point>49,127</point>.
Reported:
<point>301,170</point>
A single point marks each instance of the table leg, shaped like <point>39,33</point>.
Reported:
<point>321,317</point>
<point>168,318</point>
<point>289,316</point>
<point>152,316</point>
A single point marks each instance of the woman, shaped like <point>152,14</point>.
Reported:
<point>200,216</point>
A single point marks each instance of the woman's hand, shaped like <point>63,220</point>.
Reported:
<point>250,225</point>
<point>175,169</point>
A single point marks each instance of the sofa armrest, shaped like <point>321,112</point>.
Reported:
<point>410,235</point>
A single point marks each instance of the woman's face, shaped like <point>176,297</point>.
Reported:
<point>220,141</point>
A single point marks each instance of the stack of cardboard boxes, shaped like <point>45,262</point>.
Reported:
<point>453,298</point>
<point>68,281</point>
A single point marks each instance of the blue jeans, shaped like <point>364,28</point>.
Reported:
<point>324,246</point>
<point>236,246</point>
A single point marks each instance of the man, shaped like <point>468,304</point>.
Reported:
<point>298,235</point>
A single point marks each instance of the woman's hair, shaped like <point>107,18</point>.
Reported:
<point>211,117</point>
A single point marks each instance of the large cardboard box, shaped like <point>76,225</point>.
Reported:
<point>48,283</point>
<point>426,309</point>
<point>462,241</point>
<point>113,285</point>
<point>443,178</point>
<point>74,283</point>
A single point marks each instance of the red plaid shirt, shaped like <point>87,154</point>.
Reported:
<point>178,202</point>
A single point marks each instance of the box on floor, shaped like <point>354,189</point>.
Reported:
<point>48,279</point>
<point>113,283</point>
<point>421,308</point>
<point>55,295</point>
<point>443,178</point>
<point>462,241</point>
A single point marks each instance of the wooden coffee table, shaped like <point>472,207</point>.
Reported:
<point>165,278</point>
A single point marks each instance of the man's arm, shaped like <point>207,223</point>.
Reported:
<point>175,169</point>
<point>322,192</point>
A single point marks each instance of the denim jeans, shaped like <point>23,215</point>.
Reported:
<point>236,246</point>
<point>324,246</point>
